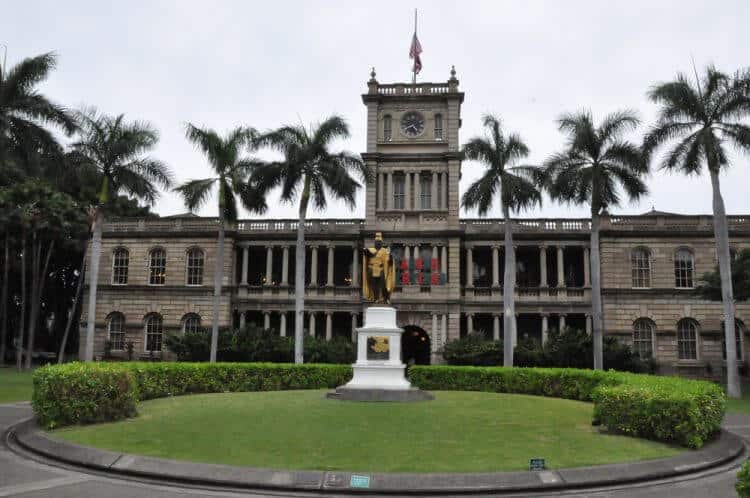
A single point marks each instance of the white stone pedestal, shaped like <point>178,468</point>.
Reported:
<point>379,374</point>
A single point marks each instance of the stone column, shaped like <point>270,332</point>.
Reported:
<point>416,254</point>
<point>269,265</point>
<point>417,192</point>
<point>588,324</point>
<point>282,324</point>
<point>435,339</point>
<point>390,191</point>
<point>586,268</point>
<point>314,266</point>
<point>329,325</point>
<point>245,264</point>
<point>434,193</point>
<point>285,266</point>
<point>496,327</point>
<point>545,327</point>
<point>542,266</point>
<point>435,257</point>
<point>495,266</point>
<point>444,261</point>
<point>469,323</point>
<point>444,329</point>
<point>444,185</point>
<point>354,327</point>
<point>560,268</point>
<point>407,192</point>
<point>381,184</point>
<point>469,267</point>
<point>266,320</point>
<point>329,280</point>
<point>355,266</point>
<point>407,254</point>
<point>311,324</point>
<point>562,322</point>
<point>243,319</point>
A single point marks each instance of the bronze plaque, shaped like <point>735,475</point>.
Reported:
<point>378,348</point>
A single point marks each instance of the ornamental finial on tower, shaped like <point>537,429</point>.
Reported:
<point>453,72</point>
<point>372,74</point>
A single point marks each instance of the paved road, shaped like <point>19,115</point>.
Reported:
<point>27,478</point>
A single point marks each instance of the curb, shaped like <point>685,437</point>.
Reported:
<point>29,436</point>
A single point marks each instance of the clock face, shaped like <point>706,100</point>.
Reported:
<point>412,124</point>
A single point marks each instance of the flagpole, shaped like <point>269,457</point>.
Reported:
<point>414,65</point>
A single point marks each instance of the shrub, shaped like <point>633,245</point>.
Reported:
<point>473,349</point>
<point>743,481</point>
<point>669,409</point>
<point>76,393</point>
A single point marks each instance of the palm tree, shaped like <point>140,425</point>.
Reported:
<point>311,170</point>
<point>700,120</point>
<point>24,111</point>
<point>596,162</point>
<point>115,150</point>
<point>231,172</point>
<point>518,189</point>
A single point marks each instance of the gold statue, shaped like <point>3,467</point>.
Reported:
<point>378,272</point>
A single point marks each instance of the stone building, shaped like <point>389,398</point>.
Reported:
<point>156,276</point>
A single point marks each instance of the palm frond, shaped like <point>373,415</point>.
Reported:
<point>482,192</point>
<point>195,193</point>
<point>616,123</point>
<point>332,128</point>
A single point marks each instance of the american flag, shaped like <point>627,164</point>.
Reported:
<point>414,52</point>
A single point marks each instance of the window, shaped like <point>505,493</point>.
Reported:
<point>398,191</point>
<point>120,267</point>
<point>157,267</point>
<point>425,185</point>
<point>191,323</point>
<point>387,133</point>
<point>116,329</point>
<point>687,339</point>
<point>683,269</point>
<point>195,266</point>
<point>643,336</point>
<point>640,265</point>
<point>438,126</point>
<point>738,326</point>
<point>153,332</point>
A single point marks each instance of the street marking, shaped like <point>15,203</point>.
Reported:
<point>38,486</point>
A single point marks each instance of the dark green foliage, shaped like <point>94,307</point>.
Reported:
<point>256,344</point>
<point>570,349</point>
<point>743,481</point>
<point>710,287</point>
<point>78,393</point>
<point>669,409</point>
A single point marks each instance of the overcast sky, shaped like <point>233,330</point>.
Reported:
<point>264,64</point>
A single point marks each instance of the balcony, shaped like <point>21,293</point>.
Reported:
<point>286,292</point>
<point>528,294</point>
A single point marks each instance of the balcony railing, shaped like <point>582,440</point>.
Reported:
<point>527,293</point>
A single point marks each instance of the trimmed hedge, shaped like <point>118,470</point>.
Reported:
<point>742,486</point>
<point>669,409</point>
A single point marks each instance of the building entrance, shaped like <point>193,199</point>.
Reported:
<point>415,346</point>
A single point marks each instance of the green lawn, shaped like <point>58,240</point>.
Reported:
<point>458,432</point>
<point>14,386</point>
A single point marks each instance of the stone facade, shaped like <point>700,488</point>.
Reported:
<point>450,269</point>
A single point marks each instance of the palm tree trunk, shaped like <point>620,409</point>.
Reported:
<point>21,323</point>
<point>33,303</point>
<point>596,293</point>
<point>72,313</point>
<point>96,253</point>
<point>299,275</point>
<point>37,293</point>
<point>721,235</point>
<point>4,300</point>
<point>509,291</point>
<point>218,274</point>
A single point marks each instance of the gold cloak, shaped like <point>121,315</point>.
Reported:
<point>389,269</point>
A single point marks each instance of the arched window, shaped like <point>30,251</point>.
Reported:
<point>116,330</point>
<point>738,328</point>
<point>191,323</point>
<point>687,339</point>
<point>438,126</point>
<point>640,264</point>
<point>154,332</point>
<point>387,130</point>
<point>120,260</point>
<point>683,269</point>
<point>643,337</point>
<point>195,266</point>
<point>157,266</point>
